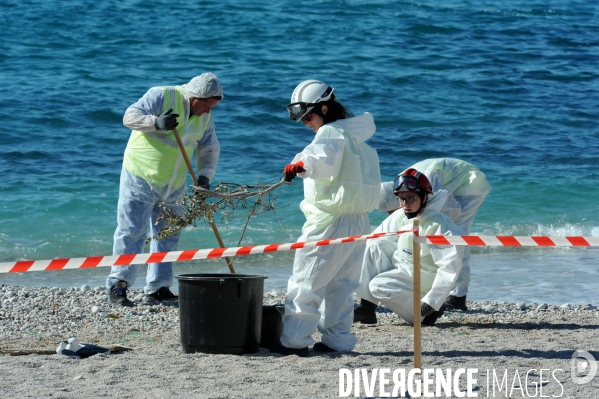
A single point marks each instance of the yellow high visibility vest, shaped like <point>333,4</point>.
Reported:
<point>155,156</point>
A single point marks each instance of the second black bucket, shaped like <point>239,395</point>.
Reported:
<point>220,313</point>
<point>272,325</point>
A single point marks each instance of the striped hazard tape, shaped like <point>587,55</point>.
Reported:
<point>175,256</point>
<point>187,255</point>
<point>511,241</point>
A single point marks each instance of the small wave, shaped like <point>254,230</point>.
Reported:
<point>559,230</point>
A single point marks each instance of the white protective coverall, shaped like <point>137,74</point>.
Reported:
<point>467,187</point>
<point>341,185</point>
<point>387,271</point>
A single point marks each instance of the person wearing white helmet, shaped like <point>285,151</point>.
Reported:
<point>155,173</point>
<point>387,270</point>
<point>342,180</point>
<point>468,187</point>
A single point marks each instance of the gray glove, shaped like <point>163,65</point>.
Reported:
<point>425,309</point>
<point>167,121</point>
<point>204,182</point>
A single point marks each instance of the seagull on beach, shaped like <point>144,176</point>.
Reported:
<point>77,350</point>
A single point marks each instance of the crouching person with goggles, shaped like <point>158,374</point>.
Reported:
<point>387,270</point>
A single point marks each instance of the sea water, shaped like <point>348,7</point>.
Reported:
<point>510,86</point>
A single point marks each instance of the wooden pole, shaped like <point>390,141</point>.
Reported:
<point>417,324</point>
<point>195,183</point>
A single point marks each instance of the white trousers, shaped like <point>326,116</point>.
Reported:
<point>469,206</point>
<point>328,276</point>
<point>393,286</point>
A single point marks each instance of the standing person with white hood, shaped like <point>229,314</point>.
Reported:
<point>154,172</point>
<point>341,185</point>
<point>387,272</point>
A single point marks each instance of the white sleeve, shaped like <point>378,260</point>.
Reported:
<point>322,158</point>
<point>142,115</point>
<point>449,260</point>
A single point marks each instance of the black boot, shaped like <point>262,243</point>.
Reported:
<point>163,294</point>
<point>118,294</point>
<point>285,351</point>
<point>322,348</point>
<point>365,312</point>
<point>456,303</point>
<point>431,319</point>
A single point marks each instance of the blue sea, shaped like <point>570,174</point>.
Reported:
<point>510,86</point>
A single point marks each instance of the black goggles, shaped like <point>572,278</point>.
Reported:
<point>410,182</point>
<point>298,110</point>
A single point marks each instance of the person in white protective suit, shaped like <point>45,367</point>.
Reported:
<point>341,185</point>
<point>387,270</point>
<point>154,172</point>
<point>468,187</point>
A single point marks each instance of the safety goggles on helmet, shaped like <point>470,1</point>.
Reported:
<point>298,110</point>
<point>410,182</point>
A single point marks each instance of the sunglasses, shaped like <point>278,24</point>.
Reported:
<point>410,181</point>
<point>308,117</point>
<point>408,200</point>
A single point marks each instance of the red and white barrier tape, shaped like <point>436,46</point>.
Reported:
<point>175,256</point>
<point>511,241</point>
<point>187,255</point>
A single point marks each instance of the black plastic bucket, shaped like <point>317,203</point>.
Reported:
<point>272,325</point>
<point>220,313</point>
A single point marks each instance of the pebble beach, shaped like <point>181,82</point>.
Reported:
<point>512,340</point>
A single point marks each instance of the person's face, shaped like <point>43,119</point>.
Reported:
<point>201,106</point>
<point>314,121</point>
<point>409,201</point>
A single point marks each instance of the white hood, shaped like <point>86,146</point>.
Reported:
<point>435,203</point>
<point>361,127</point>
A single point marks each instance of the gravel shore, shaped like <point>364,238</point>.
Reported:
<point>528,345</point>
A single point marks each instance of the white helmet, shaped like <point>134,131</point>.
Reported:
<point>305,96</point>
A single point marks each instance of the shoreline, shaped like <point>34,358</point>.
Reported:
<point>558,275</point>
<point>490,336</point>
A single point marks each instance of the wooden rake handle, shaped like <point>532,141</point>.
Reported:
<point>195,182</point>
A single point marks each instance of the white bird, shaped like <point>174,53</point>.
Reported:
<point>73,345</point>
<point>82,350</point>
<point>62,350</point>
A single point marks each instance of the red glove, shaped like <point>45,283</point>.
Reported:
<point>292,170</point>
